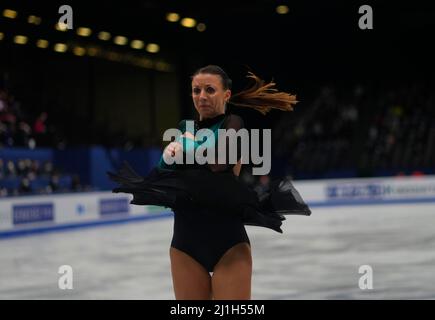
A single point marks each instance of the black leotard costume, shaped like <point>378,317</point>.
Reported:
<point>211,206</point>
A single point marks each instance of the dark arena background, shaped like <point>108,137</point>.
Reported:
<point>359,145</point>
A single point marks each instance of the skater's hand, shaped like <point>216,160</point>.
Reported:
<point>171,151</point>
<point>188,135</point>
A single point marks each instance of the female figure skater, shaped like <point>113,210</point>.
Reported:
<point>210,205</point>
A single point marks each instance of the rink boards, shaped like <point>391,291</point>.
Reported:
<point>24,215</point>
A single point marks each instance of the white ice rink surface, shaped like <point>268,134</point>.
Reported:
<point>317,257</point>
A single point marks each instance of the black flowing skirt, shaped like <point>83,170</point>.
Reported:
<point>191,188</point>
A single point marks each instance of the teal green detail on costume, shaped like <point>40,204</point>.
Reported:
<point>190,146</point>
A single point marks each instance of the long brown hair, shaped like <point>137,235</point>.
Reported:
<point>260,96</point>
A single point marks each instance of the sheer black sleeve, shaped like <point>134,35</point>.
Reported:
<point>235,122</point>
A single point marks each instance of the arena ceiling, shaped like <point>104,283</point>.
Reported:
<point>239,31</point>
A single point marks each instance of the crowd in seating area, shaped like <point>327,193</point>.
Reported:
<point>29,176</point>
<point>355,130</point>
<point>362,130</point>
<point>18,128</point>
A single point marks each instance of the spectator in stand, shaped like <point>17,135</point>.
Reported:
<point>48,168</point>
<point>4,192</point>
<point>40,129</point>
<point>25,187</point>
<point>75,183</point>
<point>2,169</point>
<point>10,169</point>
<point>3,101</point>
<point>23,134</point>
<point>54,183</point>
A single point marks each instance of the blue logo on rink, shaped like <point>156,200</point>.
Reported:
<point>80,209</point>
<point>397,191</point>
<point>32,213</point>
<point>351,191</point>
<point>112,206</point>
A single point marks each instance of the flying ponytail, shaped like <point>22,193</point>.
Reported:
<point>261,96</point>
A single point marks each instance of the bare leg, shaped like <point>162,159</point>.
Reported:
<point>232,275</point>
<point>190,279</point>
